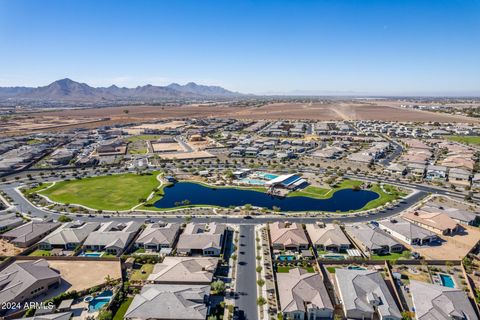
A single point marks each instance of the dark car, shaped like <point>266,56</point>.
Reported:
<point>247,217</point>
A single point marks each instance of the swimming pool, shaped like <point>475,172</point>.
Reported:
<point>286,258</point>
<point>253,181</point>
<point>99,301</point>
<point>447,280</point>
<point>92,254</point>
<point>355,268</point>
<point>333,256</point>
<point>269,176</point>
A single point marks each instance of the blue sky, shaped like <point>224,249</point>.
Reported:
<point>374,47</point>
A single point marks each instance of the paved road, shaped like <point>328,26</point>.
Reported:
<point>247,286</point>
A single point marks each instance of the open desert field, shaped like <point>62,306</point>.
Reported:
<point>345,111</point>
<point>335,110</point>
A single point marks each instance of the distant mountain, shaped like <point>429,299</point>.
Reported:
<point>69,90</point>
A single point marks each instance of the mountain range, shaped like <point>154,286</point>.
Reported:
<point>69,90</point>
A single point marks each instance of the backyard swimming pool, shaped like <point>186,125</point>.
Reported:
<point>197,194</point>
<point>286,258</point>
<point>92,254</point>
<point>333,256</point>
<point>447,280</point>
<point>100,300</point>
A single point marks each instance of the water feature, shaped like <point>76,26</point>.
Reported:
<point>99,301</point>
<point>447,280</point>
<point>197,194</point>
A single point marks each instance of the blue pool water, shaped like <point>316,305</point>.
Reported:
<point>286,258</point>
<point>100,300</point>
<point>197,194</point>
<point>355,268</point>
<point>253,181</point>
<point>270,176</point>
<point>333,256</point>
<point>92,254</point>
<point>447,280</point>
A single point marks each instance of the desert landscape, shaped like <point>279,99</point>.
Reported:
<point>320,111</point>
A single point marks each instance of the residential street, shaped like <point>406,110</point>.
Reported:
<point>247,286</point>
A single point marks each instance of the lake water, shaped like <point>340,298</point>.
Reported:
<point>197,194</point>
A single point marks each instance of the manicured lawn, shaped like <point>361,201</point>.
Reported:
<point>144,137</point>
<point>475,140</point>
<point>142,273</point>
<point>392,194</point>
<point>39,187</point>
<point>282,269</point>
<point>331,269</point>
<point>322,193</point>
<point>40,253</point>
<point>115,192</point>
<point>122,309</point>
<point>392,256</point>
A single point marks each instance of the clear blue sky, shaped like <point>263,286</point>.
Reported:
<point>381,47</point>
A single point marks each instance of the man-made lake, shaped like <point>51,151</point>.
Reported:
<point>197,194</point>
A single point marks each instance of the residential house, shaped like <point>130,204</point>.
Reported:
<point>373,240</point>
<point>327,237</point>
<point>432,301</point>
<point>164,301</point>
<point>396,169</point>
<point>436,172</point>
<point>112,237</point>
<point>184,270</point>
<point>9,221</point>
<point>288,236</point>
<point>459,177</point>
<point>156,236</point>
<point>407,232</point>
<point>438,222</point>
<point>365,295</point>
<point>461,216</point>
<point>29,233</point>
<point>202,238</point>
<point>68,236</point>
<point>303,295</point>
<point>24,280</point>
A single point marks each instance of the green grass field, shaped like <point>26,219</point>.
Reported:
<point>41,186</point>
<point>282,269</point>
<point>471,140</point>
<point>123,309</point>
<point>115,192</point>
<point>40,253</point>
<point>143,137</point>
<point>322,193</point>
<point>392,256</point>
<point>142,273</point>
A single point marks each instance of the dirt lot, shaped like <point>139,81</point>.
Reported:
<point>453,248</point>
<point>7,249</point>
<point>166,147</point>
<point>187,155</point>
<point>340,110</point>
<point>81,275</point>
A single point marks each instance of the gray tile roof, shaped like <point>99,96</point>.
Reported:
<point>299,290</point>
<point>159,301</point>
<point>159,234</point>
<point>18,277</point>
<point>184,270</point>
<point>361,290</point>
<point>406,228</point>
<point>201,236</point>
<point>53,316</point>
<point>372,238</point>
<point>71,232</point>
<point>113,234</point>
<point>29,231</point>
<point>434,302</point>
